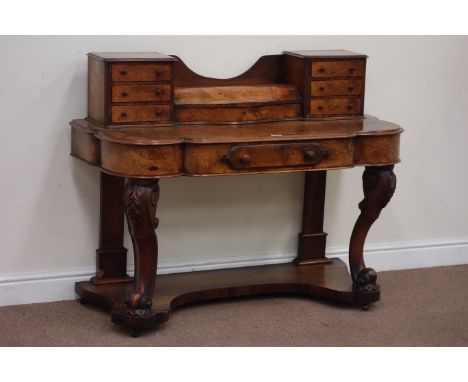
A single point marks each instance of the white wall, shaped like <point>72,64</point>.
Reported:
<point>49,201</point>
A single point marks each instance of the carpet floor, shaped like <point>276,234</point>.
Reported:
<point>421,307</point>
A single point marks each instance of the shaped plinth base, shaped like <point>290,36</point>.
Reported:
<point>330,281</point>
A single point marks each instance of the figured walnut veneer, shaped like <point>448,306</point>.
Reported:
<point>152,117</point>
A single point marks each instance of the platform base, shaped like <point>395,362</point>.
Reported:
<point>329,280</point>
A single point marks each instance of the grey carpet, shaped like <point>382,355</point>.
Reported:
<point>423,307</point>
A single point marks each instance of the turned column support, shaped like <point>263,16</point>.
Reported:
<point>379,185</point>
<point>141,199</point>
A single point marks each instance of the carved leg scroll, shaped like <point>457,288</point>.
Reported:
<point>379,185</point>
<point>141,199</point>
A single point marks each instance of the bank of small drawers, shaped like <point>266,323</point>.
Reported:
<point>141,93</point>
<point>337,88</point>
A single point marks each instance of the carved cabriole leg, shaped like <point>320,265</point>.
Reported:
<point>141,199</point>
<point>379,185</point>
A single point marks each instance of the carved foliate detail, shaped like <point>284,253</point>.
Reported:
<point>133,203</point>
<point>141,200</point>
<point>379,187</point>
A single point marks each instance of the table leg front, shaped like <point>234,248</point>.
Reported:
<point>379,185</point>
<point>141,199</point>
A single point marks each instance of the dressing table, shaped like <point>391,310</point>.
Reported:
<point>151,117</point>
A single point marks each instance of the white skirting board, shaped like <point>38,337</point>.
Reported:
<point>58,286</point>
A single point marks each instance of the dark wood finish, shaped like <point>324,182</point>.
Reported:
<point>141,200</point>
<point>141,72</point>
<point>141,93</point>
<point>325,54</point>
<point>97,92</point>
<point>130,57</point>
<point>237,114</point>
<point>348,87</point>
<point>330,281</point>
<point>320,75</point>
<point>312,239</point>
<point>150,117</point>
<point>335,106</point>
<point>209,159</point>
<point>141,113</point>
<point>339,68</point>
<point>111,256</point>
<point>236,95</point>
<point>379,184</point>
<point>296,72</point>
<point>84,144</point>
<point>275,155</point>
<point>142,161</point>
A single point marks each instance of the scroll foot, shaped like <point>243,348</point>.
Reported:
<point>379,185</point>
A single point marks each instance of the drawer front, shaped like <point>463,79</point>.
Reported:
<point>141,93</point>
<point>335,107</point>
<point>237,114</point>
<point>275,155</point>
<point>141,72</point>
<point>351,68</point>
<point>335,87</point>
<point>149,113</point>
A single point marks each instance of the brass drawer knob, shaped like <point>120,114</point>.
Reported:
<point>310,155</point>
<point>245,159</point>
<point>322,69</point>
<point>123,114</point>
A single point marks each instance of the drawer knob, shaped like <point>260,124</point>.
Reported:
<point>157,72</point>
<point>123,72</point>
<point>321,88</point>
<point>351,70</point>
<point>350,106</point>
<point>322,69</point>
<point>320,108</point>
<point>310,155</point>
<point>351,88</point>
<point>159,92</point>
<point>158,112</point>
<point>245,159</point>
<point>124,94</point>
<point>123,114</point>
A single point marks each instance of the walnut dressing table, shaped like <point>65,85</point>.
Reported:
<point>151,117</point>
